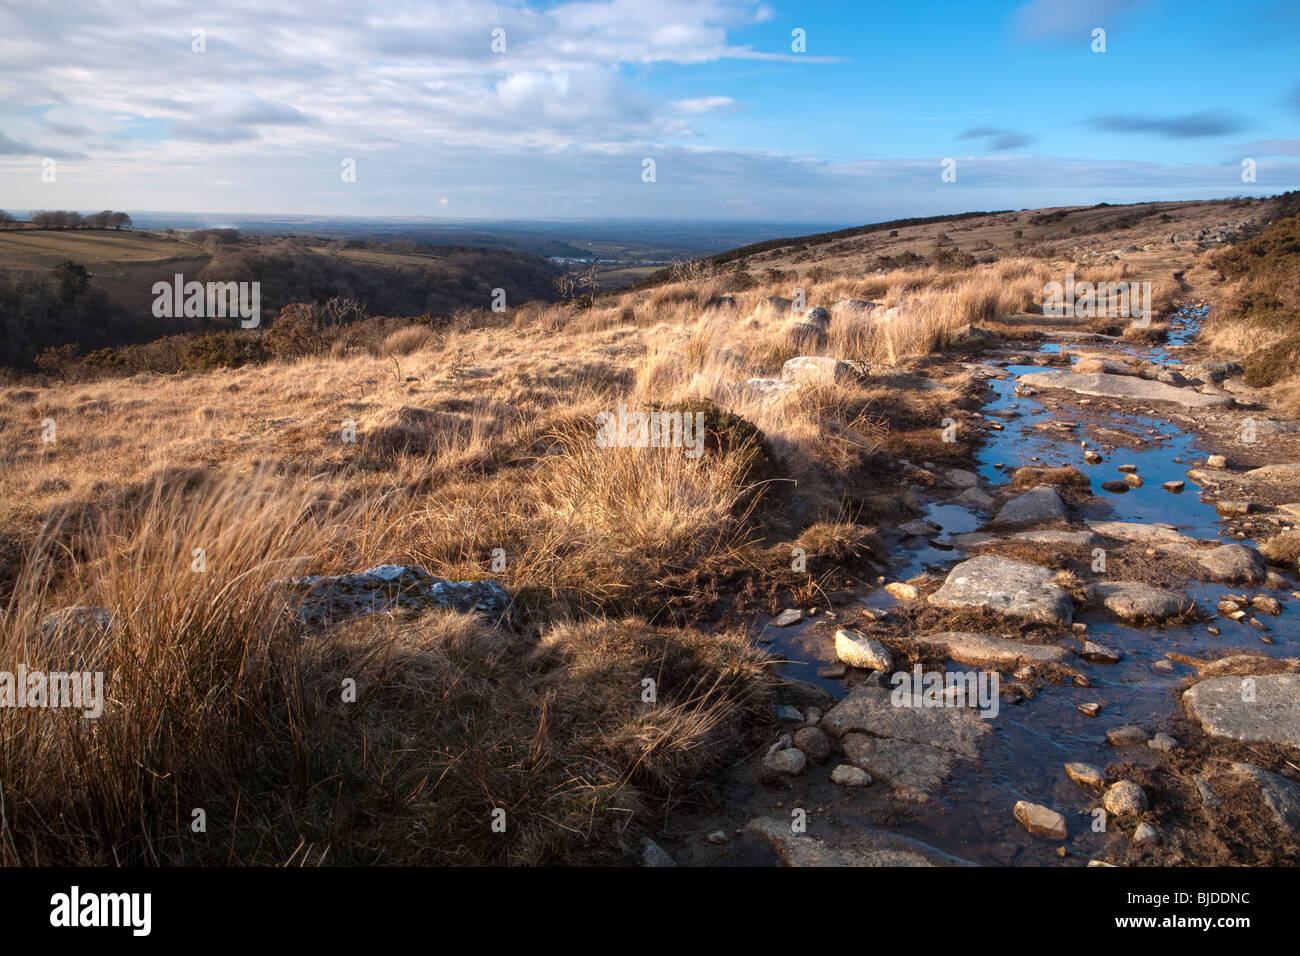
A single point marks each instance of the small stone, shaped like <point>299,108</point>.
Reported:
<point>847,775</point>
<point>1092,457</point>
<point>718,837</point>
<point>1126,736</point>
<point>1174,486</point>
<point>902,591</point>
<point>1163,742</point>
<point>787,617</point>
<point>1086,775</point>
<point>1146,835</point>
<point>1133,481</point>
<point>1090,709</point>
<point>1216,461</point>
<point>1163,667</point>
<point>1232,509</point>
<point>1100,653</point>
<point>860,650</point>
<point>1209,798</point>
<point>1117,487</point>
<point>1040,820</point>
<point>1127,468</point>
<point>1125,797</point>
<point>1269,605</point>
<point>787,714</point>
<point>832,671</point>
<point>789,762</point>
<point>814,743</point>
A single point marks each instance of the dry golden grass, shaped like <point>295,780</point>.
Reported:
<point>437,451</point>
<point>1282,549</point>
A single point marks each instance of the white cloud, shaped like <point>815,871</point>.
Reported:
<point>705,104</point>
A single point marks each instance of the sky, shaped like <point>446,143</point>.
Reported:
<point>834,112</point>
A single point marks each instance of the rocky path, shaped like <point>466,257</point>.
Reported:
<point>1102,560</point>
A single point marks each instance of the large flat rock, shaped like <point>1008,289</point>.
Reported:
<point>1105,385</point>
<point>1152,534</point>
<point>1280,795</point>
<point>985,650</point>
<point>1013,588</point>
<point>1037,504</point>
<point>1273,716</point>
<point>1230,563</point>
<point>866,848</point>
<point>1289,471</point>
<point>1134,602</point>
<point>905,746</point>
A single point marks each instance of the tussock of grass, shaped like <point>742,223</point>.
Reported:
<point>1066,476</point>
<point>1282,549</point>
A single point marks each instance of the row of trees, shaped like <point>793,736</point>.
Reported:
<point>69,219</point>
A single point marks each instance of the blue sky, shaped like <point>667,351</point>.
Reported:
<point>740,125</point>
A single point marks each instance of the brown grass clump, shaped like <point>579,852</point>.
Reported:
<point>1078,589</point>
<point>1066,476</point>
<point>1282,549</point>
<point>413,338</point>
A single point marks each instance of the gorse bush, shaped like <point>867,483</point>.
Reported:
<point>222,350</point>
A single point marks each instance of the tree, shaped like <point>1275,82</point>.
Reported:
<point>6,219</point>
<point>120,220</point>
<point>73,278</point>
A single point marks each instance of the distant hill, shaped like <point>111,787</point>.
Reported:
<point>94,288</point>
<point>1080,232</point>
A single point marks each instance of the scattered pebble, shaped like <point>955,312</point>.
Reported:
<point>789,762</point>
<point>1086,775</point>
<point>1269,605</point>
<point>813,742</point>
<point>1100,653</point>
<point>1146,835</point>
<point>847,775</point>
<point>1040,820</point>
<point>1126,736</point>
<point>1125,797</point>
<point>1163,742</point>
<point>903,591</point>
